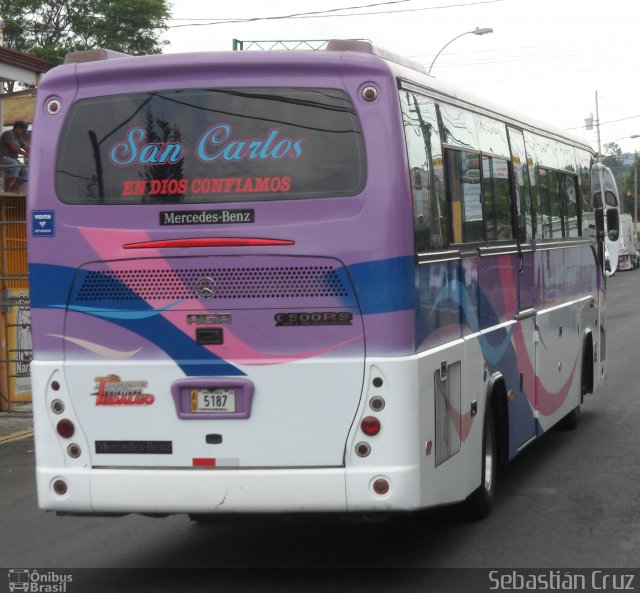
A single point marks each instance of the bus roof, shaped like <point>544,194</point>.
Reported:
<point>405,69</point>
<point>412,71</point>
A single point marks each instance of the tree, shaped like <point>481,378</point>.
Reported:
<point>613,158</point>
<point>52,28</point>
<point>628,188</point>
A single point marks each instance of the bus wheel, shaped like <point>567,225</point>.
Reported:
<point>480,501</point>
<point>571,420</point>
<point>203,519</point>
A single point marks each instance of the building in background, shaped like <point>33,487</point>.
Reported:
<point>15,310</point>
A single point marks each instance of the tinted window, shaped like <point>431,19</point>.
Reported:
<point>199,146</point>
<point>586,204</point>
<point>465,191</point>
<point>570,206</point>
<point>430,210</point>
<point>524,208</point>
<point>610,199</point>
<point>566,157</point>
<point>458,127</point>
<point>492,136</point>
<point>550,204</point>
<point>495,188</point>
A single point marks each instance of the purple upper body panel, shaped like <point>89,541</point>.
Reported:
<point>317,226</point>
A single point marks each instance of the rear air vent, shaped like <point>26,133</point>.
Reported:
<point>212,284</point>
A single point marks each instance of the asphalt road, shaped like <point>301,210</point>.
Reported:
<point>572,500</point>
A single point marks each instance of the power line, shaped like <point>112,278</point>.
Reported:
<point>36,27</point>
<point>296,15</point>
<point>604,123</point>
<point>323,14</point>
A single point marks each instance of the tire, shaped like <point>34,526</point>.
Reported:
<point>207,519</point>
<point>480,501</point>
<point>571,420</point>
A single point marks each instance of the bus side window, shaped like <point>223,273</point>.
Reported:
<point>587,216</point>
<point>497,203</point>
<point>524,209</point>
<point>550,204</point>
<point>430,213</point>
<point>570,205</point>
<point>464,190</point>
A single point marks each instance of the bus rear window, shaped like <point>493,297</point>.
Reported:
<point>211,145</point>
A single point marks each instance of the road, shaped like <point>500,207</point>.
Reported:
<point>570,500</point>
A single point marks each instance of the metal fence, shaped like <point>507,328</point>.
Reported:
<point>15,305</point>
<point>305,44</point>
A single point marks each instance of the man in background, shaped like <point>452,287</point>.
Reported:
<point>12,146</point>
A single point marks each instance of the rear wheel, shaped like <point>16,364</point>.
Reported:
<point>480,501</point>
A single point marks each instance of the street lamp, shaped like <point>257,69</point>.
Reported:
<point>476,31</point>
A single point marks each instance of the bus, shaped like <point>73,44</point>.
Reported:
<point>300,282</point>
<point>604,182</point>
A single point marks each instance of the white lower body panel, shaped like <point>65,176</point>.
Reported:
<point>220,491</point>
<point>400,454</point>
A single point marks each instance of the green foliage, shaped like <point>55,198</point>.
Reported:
<point>52,28</point>
<point>612,150</point>
<point>628,187</point>
<point>613,158</point>
<point>159,131</point>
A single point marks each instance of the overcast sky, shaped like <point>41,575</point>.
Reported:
<point>546,58</point>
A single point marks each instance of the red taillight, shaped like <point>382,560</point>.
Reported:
<point>65,428</point>
<point>381,486</point>
<point>370,426</point>
<point>208,242</point>
<point>203,462</point>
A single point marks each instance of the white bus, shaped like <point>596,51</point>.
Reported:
<point>300,282</point>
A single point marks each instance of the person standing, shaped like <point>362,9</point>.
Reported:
<point>12,146</point>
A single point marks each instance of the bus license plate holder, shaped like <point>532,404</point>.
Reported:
<point>216,400</point>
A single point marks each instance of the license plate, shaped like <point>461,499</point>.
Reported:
<point>219,399</point>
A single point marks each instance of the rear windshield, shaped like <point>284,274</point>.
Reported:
<point>207,146</point>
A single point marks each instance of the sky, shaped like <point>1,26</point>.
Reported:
<point>545,58</point>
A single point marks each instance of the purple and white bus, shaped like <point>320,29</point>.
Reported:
<point>281,282</point>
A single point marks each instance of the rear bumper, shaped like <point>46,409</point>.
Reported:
<point>396,455</point>
<point>224,491</point>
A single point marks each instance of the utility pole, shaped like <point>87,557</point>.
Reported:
<point>598,128</point>
<point>588,125</point>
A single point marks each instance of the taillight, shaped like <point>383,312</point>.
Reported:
<point>60,487</point>
<point>65,428</point>
<point>381,486</point>
<point>370,426</point>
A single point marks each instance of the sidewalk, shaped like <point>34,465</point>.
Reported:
<point>16,424</point>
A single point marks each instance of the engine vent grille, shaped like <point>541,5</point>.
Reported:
<point>276,282</point>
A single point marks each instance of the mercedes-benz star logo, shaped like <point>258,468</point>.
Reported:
<point>206,288</point>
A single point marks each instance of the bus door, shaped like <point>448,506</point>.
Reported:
<point>522,423</point>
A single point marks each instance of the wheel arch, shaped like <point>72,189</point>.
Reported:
<point>587,372</point>
<point>496,404</point>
